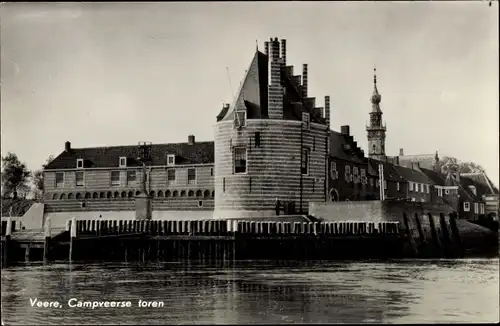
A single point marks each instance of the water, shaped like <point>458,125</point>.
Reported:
<point>257,292</point>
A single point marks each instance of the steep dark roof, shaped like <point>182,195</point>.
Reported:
<point>481,181</point>
<point>427,161</point>
<point>343,147</point>
<point>252,95</point>
<point>436,178</point>
<point>413,175</point>
<point>390,172</point>
<point>100,157</point>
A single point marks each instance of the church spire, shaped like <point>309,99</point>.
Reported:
<point>376,129</point>
<point>376,97</point>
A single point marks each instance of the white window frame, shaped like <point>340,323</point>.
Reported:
<point>192,182</point>
<point>447,191</point>
<point>246,159</point>
<point>397,186</point>
<point>61,185</point>
<point>355,170</point>
<point>466,206</point>
<point>79,163</point>
<point>385,184</point>
<point>122,162</point>
<point>410,185</point>
<point>236,114</point>
<point>427,187</point>
<point>306,118</point>
<point>114,183</point>
<point>171,156</point>
<point>440,192</point>
<point>476,208</point>
<point>347,169</point>
<point>83,179</point>
<point>175,176</point>
<point>363,172</point>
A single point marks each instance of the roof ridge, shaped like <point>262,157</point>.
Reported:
<point>157,144</point>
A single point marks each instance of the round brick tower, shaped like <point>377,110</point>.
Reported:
<point>270,143</point>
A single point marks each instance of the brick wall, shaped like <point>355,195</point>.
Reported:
<point>273,168</point>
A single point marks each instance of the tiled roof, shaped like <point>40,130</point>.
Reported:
<point>252,95</point>
<point>435,177</point>
<point>390,172</point>
<point>426,161</point>
<point>413,175</point>
<point>465,183</point>
<point>100,157</point>
<point>482,181</point>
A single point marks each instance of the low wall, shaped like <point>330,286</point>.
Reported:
<point>58,219</point>
<point>372,210</point>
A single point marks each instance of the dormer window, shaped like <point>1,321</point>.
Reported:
<point>306,120</point>
<point>79,163</point>
<point>122,162</point>
<point>170,159</point>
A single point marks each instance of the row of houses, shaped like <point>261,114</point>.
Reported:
<point>354,176</point>
<point>273,143</point>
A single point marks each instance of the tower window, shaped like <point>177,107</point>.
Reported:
<point>79,163</point>
<point>257,139</point>
<point>240,160</point>
<point>374,148</point>
<point>305,161</point>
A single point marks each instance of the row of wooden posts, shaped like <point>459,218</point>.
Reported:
<point>228,227</point>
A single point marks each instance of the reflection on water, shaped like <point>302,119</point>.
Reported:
<point>257,292</point>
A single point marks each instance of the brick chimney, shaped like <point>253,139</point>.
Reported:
<point>401,152</point>
<point>304,80</point>
<point>283,51</point>
<point>327,111</point>
<point>67,146</point>
<point>275,89</point>
<point>344,130</point>
<point>191,140</point>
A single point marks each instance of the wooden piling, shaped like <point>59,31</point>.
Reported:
<point>435,236</point>
<point>46,242</point>
<point>72,240</point>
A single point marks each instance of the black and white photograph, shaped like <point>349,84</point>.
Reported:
<point>241,162</point>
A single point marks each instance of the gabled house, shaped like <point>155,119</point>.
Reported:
<point>481,185</point>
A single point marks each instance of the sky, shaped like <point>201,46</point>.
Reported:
<point>107,74</point>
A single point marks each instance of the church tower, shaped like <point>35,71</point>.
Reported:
<point>376,129</point>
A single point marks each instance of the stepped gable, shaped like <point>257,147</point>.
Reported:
<point>108,157</point>
<point>345,148</point>
<point>252,95</point>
